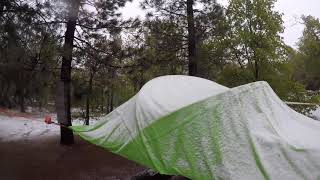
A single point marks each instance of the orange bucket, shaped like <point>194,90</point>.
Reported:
<point>47,120</point>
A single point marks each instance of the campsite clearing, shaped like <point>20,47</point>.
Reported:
<point>30,149</point>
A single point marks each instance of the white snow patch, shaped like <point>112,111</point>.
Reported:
<point>21,128</point>
<point>316,114</point>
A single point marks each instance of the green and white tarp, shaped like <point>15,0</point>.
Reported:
<point>181,125</point>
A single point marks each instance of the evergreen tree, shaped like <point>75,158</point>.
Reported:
<point>195,18</point>
<point>102,19</point>
<point>309,52</point>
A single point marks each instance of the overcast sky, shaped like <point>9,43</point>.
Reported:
<point>292,10</point>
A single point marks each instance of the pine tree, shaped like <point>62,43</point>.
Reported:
<point>83,25</point>
<point>196,18</point>
<point>309,52</point>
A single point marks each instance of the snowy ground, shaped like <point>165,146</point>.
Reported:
<point>316,114</point>
<point>14,128</point>
<point>17,128</point>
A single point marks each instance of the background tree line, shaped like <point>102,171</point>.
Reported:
<point>81,54</point>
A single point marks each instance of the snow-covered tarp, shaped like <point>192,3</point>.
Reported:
<point>181,125</point>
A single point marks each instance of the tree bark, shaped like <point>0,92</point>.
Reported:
<point>87,110</point>
<point>63,110</point>
<point>21,100</point>
<point>192,52</point>
<point>110,100</point>
<point>88,99</point>
<point>257,70</point>
<point>102,101</point>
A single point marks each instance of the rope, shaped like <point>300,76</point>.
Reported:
<point>300,103</point>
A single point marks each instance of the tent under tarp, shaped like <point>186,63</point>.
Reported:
<point>181,125</point>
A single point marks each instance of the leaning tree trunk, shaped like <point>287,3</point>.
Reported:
<point>64,94</point>
<point>192,52</point>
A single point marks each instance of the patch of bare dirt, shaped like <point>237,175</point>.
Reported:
<point>46,159</point>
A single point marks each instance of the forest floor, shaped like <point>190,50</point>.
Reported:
<point>30,149</point>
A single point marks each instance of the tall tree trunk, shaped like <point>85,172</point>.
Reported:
<point>135,85</point>
<point>21,100</point>
<point>110,91</point>
<point>102,101</point>
<point>257,70</point>
<point>88,99</point>
<point>107,101</point>
<point>192,52</point>
<point>63,105</point>
<point>5,96</point>
<point>87,110</point>
<point>110,100</point>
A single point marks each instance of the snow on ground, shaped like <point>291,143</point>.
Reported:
<point>316,114</point>
<point>13,128</point>
<point>18,128</point>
